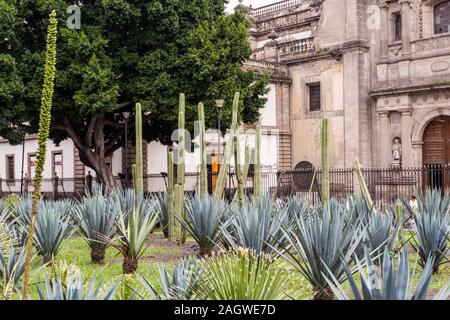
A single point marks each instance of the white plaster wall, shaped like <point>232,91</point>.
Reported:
<point>269,112</point>
<point>31,147</point>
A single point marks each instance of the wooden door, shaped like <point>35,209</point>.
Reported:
<point>436,153</point>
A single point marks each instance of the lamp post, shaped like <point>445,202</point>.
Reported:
<point>219,105</point>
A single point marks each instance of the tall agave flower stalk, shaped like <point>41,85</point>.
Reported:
<point>257,178</point>
<point>203,164</point>
<point>325,162</point>
<point>44,129</point>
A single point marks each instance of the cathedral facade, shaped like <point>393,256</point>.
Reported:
<point>379,70</point>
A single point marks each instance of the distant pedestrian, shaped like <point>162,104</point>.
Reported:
<point>414,205</point>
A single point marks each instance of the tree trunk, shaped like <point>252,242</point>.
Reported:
<point>97,256</point>
<point>205,251</point>
<point>129,265</point>
<point>323,293</point>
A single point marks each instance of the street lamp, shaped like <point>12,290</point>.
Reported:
<point>219,105</point>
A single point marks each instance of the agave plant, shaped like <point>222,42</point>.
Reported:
<point>318,243</point>
<point>74,290</point>
<point>432,227</point>
<point>95,216</point>
<point>11,270</point>
<point>241,274</point>
<point>54,224</point>
<point>256,226</point>
<point>133,228</point>
<point>205,215</point>
<point>180,285</point>
<point>380,233</point>
<point>163,209</point>
<point>387,284</point>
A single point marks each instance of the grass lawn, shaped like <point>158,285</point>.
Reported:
<point>76,251</point>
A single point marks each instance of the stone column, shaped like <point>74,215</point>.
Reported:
<point>406,26</point>
<point>384,138</point>
<point>384,23</point>
<point>407,159</point>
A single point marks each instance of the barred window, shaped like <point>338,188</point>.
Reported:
<point>397,26</point>
<point>314,97</point>
<point>10,174</point>
<point>442,17</point>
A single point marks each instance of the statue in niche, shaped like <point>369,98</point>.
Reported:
<point>396,152</point>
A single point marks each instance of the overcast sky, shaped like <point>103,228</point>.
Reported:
<point>254,3</point>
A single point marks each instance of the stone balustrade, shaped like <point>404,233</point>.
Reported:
<point>293,49</point>
<point>273,69</point>
<point>290,19</point>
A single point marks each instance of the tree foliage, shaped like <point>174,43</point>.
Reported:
<point>125,52</point>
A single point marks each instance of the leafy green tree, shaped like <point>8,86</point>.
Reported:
<point>125,52</point>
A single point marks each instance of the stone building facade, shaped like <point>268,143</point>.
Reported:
<point>379,70</point>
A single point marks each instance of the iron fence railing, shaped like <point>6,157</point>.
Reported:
<point>385,184</point>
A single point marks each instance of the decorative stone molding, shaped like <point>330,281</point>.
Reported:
<point>420,126</point>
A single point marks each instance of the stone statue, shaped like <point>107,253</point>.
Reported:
<point>396,151</point>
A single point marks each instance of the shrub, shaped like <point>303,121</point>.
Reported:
<point>241,274</point>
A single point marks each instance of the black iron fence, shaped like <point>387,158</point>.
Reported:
<point>385,184</point>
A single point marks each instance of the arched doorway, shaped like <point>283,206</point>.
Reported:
<point>436,152</point>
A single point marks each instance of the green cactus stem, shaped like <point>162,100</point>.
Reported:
<point>203,160</point>
<point>228,150</point>
<point>170,195</point>
<point>179,233</point>
<point>325,163</point>
<point>257,171</point>
<point>139,185</point>
<point>43,133</point>
<point>240,194</point>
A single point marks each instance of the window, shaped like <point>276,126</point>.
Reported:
<point>10,174</point>
<point>57,164</point>
<point>397,26</point>
<point>314,96</point>
<point>442,17</point>
<point>32,162</point>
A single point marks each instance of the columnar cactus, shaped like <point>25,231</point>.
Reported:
<point>179,233</point>
<point>203,161</point>
<point>240,194</point>
<point>139,186</point>
<point>325,163</point>
<point>363,186</point>
<point>228,151</point>
<point>257,171</point>
<point>170,194</point>
<point>43,133</point>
